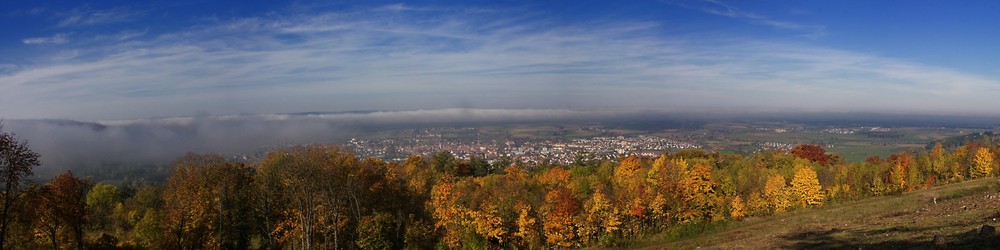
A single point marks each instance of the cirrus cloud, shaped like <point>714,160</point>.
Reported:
<point>406,59</point>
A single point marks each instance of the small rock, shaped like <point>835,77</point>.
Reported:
<point>987,231</point>
<point>940,241</point>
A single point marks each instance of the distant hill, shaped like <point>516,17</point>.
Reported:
<point>958,141</point>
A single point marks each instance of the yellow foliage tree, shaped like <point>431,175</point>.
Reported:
<point>756,205</point>
<point>555,177</point>
<point>878,187</point>
<point>982,164</point>
<point>775,193</point>
<point>937,158</point>
<point>697,194</point>
<point>489,224</point>
<point>526,226</point>
<point>658,208</point>
<point>601,218</point>
<point>957,173</point>
<point>805,187</point>
<point>737,210</point>
<point>449,216</point>
<point>627,169</point>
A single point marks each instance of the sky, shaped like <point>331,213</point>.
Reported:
<point>116,60</point>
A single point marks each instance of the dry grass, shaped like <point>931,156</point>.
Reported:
<point>908,221</point>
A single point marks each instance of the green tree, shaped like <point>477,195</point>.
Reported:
<point>102,199</point>
<point>375,231</point>
<point>138,220</point>
<point>444,161</point>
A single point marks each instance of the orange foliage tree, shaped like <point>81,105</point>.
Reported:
<point>62,211</point>
<point>559,225</point>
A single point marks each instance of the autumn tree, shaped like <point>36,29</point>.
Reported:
<point>805,187</point>
<point>737,209</point>
<point>559,211</point>
<point>270,199</point>
<point>982,164</point>
<point>632,191</point>
<point>445,212</point>
<point>321,195</point>
<point>527,232</point>
<point>756,205</point>
<point>627,169</point>
<point>698,197</point>
<point>937,157</point>
<point>419,176</point>
<point>46,224</point>
<point>776,194</point>
<point>64,210</point>
<point>207,203</point>
<point>663,179</point>
<point>899,179</point>
<point>602,218</point>
<point>814,153</point>
<point>16,164</point>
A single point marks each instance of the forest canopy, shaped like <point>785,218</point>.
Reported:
<point>324,197</point>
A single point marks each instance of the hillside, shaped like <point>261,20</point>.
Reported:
<point>908,221</point>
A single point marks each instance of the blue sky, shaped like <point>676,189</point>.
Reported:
<point>131,59</point>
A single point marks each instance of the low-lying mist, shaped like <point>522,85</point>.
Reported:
<point>66,144</point>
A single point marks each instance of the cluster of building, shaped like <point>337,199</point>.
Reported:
<point>843,131</point>
<point>525,150</point>
<point>764,146</point>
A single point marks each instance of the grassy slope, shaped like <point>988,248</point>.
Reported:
<point>907,221</point>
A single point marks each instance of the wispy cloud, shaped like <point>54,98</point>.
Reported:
<point>720,8</point>
<point>400,60</point>
<point>60,38</point>
<point>85,16</point>
<point>394,7</point>
<point>122,35</point>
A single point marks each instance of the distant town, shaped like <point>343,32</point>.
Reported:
<point>563,144</point>
<point>430,141</point>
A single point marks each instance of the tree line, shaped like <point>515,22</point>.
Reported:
<point>323,197</point>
